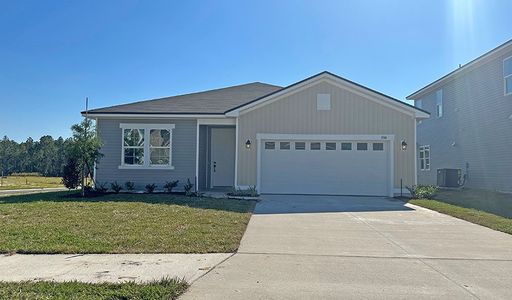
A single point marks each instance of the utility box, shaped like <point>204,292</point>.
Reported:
<point>449,177</point>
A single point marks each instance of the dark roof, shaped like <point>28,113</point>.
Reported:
<point>462,68</point>
<point>216,101</point>
<point>339,77</point>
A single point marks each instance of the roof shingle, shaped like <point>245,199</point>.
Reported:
<point>216,101</point>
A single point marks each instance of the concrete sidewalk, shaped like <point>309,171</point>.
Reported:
<point>107,267</point>
<point>30,191</point>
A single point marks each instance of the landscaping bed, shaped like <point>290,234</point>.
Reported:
<point>64,222</point>
<point>162,289</point>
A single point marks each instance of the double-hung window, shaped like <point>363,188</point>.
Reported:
<point>146,145</point>
<point>425,158</point>
<point>507,75</point>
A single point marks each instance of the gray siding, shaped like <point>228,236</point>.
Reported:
<point>477,120</point>
<point>183,154</point>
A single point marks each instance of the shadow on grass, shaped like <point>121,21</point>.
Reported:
<point>224,204</point>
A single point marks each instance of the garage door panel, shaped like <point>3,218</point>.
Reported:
<point>323,171</point>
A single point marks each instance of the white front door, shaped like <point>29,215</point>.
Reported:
<point>325,167</point>
<point>222,162</point>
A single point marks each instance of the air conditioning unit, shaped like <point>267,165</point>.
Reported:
<point>449,177</point>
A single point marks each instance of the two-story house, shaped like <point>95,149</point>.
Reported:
<point>471,122</point>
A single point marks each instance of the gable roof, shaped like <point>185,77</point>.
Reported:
<point>462,69</point>
<point>216,101</point>
<point>334,76</point>
<point>228,100</point>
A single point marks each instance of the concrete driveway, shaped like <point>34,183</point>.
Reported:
<point>360,247</point>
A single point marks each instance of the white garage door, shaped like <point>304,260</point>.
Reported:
<point>325,167</point>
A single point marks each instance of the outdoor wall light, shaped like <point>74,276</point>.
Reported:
<point>248,144</point>
<point>404,145</point>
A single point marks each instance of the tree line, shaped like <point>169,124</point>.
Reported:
<point>46,156</point>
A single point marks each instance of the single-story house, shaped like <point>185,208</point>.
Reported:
<point>322,135</point>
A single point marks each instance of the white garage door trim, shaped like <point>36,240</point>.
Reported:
<point>327,137</point>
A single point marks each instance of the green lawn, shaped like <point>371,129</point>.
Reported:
<point>163,289</point>
<point>469,214</point>
<point>489,201</point>
<point>62,222</point>
<point>29,182</point>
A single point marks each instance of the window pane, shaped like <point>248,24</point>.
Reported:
<point>362,146</point>
<point>330,146</point>
<point>422,153</point>
<point>159,138</point>
<point>133,156</point>
<point>427,153</point>
<point>159,156</point>
<point>422,164</point>
<point>270,145</point>
<point>378,146</point>
<point>134,137</point>
<point>284,145</point>
<point>346,146</point>
<point>300,146</point>
<point>508,85</point>
<point>427,163</point>
<point>507,67</point>
<point>315,146</point>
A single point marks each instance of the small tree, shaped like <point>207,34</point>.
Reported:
<point>71,174</point>
<point>85,148</point>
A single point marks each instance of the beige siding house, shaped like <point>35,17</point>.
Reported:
<point>322,135</point>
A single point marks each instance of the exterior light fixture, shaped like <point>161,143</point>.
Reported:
<point>248,144</point>
<point>404,145</point>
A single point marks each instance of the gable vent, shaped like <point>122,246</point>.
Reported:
<point>323,101</point>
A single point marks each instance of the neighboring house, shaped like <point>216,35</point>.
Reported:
<point>471,124</point>
<point>322,135</point>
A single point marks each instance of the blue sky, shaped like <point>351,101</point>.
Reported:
<point>54,54</point>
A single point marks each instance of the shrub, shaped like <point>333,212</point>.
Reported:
<point>169,185</point>
<point>250,192</point>
<point>423,191</point>
<point>150,188</point>
<point>101,187</point>
<point>116,187</point>
<point>130,186</point>
<point>71,174</point>
<point>188,188</point>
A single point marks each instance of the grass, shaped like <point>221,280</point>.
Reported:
<point>469,214</point>
<point>63,222</point>
<point>485,200</point>
<point>162,289</point>
<point>29,182</point>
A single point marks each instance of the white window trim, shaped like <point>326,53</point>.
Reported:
<point>147,128</point>
<point>505,78</point>
<point>424,159</point>
<point>440,103</point>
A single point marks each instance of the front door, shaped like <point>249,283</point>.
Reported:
<point>222,163</point>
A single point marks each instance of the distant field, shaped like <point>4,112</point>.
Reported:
<point>29,182</point>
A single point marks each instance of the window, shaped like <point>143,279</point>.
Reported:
<point>330,146</point>
<point>425,158</point>
<point>378,146</point>
<point>323,101</point>
<point>346,146</point>
<point>146,145</point>
<point>362,146</point>
<point>284,145</point>
<point>439,103</point>
<point>270,145</point>
<point>159,147</point>
<point>133,146</point>
<point>314,146</point>
<point>507,75</point>
<point>300,146</point>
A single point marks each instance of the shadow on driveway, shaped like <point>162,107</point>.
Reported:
<point>289,204</point>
